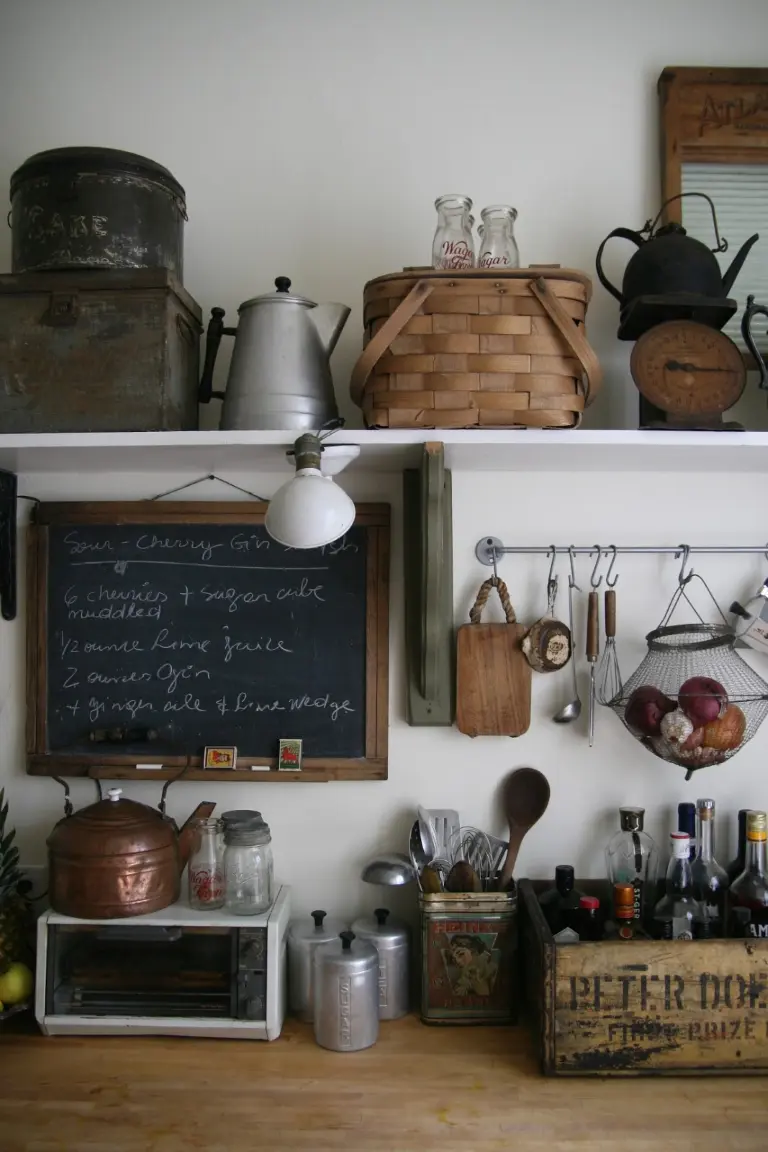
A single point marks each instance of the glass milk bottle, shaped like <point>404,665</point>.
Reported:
<point>498,247</point>
<point>206,870</point>
<point>453,246</point>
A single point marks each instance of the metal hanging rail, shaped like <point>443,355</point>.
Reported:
<point>490,549</point>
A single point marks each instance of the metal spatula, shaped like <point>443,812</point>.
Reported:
<point>445,822</point>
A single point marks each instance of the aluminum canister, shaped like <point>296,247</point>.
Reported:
<point>391,939</point>
<point>346,1005</point>
<point>304,936</point>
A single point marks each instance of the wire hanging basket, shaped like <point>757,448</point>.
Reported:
<point>692,701</point>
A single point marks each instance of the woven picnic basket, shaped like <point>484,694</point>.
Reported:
<point>479,348</point>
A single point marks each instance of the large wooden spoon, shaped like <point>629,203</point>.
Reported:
<point>525,797</point>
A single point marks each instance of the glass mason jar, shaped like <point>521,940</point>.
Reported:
<point>248,868</point>
<point>498,247</point>
<point>206,869</point>
<point>453,245</point>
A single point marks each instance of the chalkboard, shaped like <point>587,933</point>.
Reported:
<point>158,629</point>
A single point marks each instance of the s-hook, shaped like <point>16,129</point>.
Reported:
<point>684,577</point>
<point>596,583</point>
<point>612,583</point>
<point>572,576</point>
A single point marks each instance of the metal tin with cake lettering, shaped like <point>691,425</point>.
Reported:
<point>346,983</point>
<point>304,937</point>
<point>391,938</point>
<point>469,957</point>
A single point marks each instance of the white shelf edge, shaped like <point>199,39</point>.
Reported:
<point>466,450</point>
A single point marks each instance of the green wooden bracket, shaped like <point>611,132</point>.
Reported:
<point>428,583</point>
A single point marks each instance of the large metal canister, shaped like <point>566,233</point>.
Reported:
<point>96,208</point>
<point>469,957</point>
<point>346,994</point>
<point>391,938</point>
<point>304,936</point>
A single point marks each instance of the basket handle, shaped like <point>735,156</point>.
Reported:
<point>476,611</point>
<point>573,336</point>
<point>389,331</point>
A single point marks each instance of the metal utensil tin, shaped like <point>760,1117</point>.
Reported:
<point>304,936</point>
<point>346,1005</point>
<point>391,938</point>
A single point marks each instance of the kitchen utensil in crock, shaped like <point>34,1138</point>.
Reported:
<point>572,710</point>
<point>427,834</point>
<point>525,797</point>
<point>493,678</point>
<point>445,822</point>
<point>117,857</point>
<point>392,869</point>
<point>303,937</point>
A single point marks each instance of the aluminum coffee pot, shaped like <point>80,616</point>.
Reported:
<point>673,276</point>
<point>280,375</point>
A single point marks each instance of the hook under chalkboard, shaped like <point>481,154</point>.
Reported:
<point>202,480</point>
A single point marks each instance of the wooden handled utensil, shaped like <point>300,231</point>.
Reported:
<point>593,651</point>
<point>525,799</point>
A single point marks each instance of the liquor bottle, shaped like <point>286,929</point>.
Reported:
<point>588,919</point>
<point>736,866</point>
<point>750,890</point>
<point>686,822</point>
<point>561,903</point>
<point>631,858</point>
<point>624,925</point>
<point>710,881</point>
<point>677,916</point>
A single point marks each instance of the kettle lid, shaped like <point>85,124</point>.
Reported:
<point>112,826</point>
<point>282,295</point>
<point>673,228</point>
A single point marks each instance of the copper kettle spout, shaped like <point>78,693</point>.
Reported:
<point>737,263</point>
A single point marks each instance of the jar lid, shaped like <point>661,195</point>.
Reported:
<point>347,956</point>
<point>317,928</point>
<point>241,816</point>
<point>381,928</point>
<point>86,160</point>
<point>253,832</point>
<point>282,295</point>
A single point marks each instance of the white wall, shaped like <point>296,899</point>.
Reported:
<point>312,138</point>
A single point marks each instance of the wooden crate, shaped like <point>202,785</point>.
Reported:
<point>644,1007</point>
<point>479,348</point>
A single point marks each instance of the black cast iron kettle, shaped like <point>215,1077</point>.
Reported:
<point>674,275</point>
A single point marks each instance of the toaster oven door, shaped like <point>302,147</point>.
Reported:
<point>100,970</point>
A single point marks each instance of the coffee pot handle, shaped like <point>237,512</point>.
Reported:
<point>750,312</point>
<point>625,234</point>
<point>216,329</point>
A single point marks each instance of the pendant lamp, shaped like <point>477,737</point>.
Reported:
<point>310,510</point>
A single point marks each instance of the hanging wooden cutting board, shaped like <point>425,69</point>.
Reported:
<point>493,677</point>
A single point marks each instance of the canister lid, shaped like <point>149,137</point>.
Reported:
<point>282,295</point>
<point>347,956</point>
<point>381,928</point>
<point>317,928</point>
<point>87,159</point>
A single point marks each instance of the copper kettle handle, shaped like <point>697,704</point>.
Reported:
<point>750,312</point>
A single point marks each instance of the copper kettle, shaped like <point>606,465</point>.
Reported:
<point>117,857</point>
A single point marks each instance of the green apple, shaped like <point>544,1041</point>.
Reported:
<point>16,984</point>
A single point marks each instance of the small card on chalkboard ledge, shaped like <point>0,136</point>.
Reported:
<point>289,756</point>
<point>220,757</point>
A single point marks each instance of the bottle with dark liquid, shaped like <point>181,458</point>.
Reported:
<point>710,881</point>
<point>736,867</point>
<point>588,922</point>
<point>560,904</point>
<point>750,890</point>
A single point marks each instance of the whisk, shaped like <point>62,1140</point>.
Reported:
<point>609,683</point>
<point>473,846</point>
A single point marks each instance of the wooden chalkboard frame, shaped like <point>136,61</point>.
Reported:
<point>374,518</point>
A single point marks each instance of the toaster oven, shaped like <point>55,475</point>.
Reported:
<point>177,972</point>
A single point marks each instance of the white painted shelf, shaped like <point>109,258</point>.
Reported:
<point>390,451</point>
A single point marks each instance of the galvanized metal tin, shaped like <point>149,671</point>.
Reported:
<point>391,938</point>
<point>98,352</point>
<point>469,957</point>
<point>346,1008</point>
<point>96,208</point>
<point>304,937</point>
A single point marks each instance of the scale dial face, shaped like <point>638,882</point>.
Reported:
<point>688,369</point>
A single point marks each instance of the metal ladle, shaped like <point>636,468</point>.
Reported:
<point>572,710</point>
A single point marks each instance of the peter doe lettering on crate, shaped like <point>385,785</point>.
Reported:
<point>156,630</point>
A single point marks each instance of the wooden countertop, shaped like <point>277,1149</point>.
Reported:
<point>418,1088</point>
